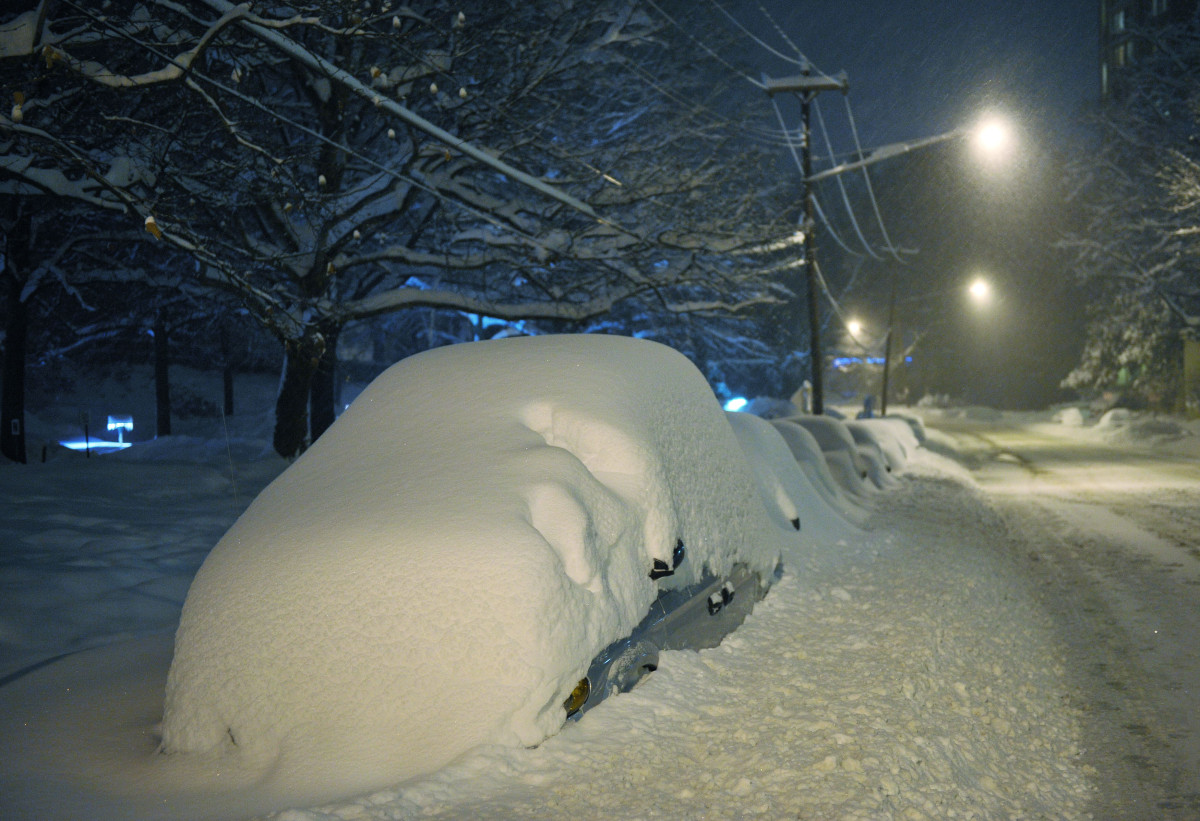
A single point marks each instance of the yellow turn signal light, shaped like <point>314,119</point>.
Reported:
<point>578,697</point>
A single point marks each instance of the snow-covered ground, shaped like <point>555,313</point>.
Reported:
<point>1108,516</point>
<point>907,668</point>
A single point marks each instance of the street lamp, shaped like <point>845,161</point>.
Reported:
<point>980,291</point>
<point>992,135</point>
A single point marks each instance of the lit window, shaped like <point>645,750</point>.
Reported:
<point>1118,20</point>
<point>1123,55</point>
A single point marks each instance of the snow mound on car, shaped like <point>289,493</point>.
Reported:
<point>786,490</point>
<point>438,570</point>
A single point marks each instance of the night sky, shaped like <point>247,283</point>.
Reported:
<point>921,67</point>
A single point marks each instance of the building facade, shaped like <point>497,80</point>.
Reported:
<point>1124,25</point>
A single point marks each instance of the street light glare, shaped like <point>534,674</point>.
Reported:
<point>854,327</point>
<point>993,135</point>
<point>980,290</point>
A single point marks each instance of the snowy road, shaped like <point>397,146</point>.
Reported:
<point>1112,539</point>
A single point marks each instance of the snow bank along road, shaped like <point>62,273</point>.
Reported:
<point>898,672</point>
<point>1111,537</point>
<point>1021,649</point>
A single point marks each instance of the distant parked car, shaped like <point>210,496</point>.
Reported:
<point>841,451</point>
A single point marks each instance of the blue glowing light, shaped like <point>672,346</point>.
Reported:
<point>736,404</point>
<point>846,361</point>
<point>94,445</point>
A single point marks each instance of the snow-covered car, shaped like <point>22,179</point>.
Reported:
<point>870,443</point>
<point>840,450</point>
<point>445,564</point>
<point>812,461</point>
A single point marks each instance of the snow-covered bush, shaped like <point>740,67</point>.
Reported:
<point>1115,418</point>
<point>1131,427</point>
<point>438,570</point>
<point>1072,417</point>
<point>1132,351</point>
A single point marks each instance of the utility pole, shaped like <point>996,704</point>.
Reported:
<point>887,348</point>
<point>806,86</point>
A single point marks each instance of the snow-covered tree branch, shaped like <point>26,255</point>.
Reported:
<point>1140,189</point>
<point>326,164</point>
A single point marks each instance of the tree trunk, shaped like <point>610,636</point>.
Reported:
<point>12,391</point>
<point>226,371</point>
<point>323,395</point>
<point>300,361</point>
<point>162,380</point>
<point>227,389</point>
<point>12,415</point>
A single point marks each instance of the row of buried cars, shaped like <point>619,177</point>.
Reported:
<point>844,461</point>
<point>492,538</point>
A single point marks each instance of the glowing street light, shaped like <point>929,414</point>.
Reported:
<point>980,291</point>
<point>854,327</point>
<point>993,135</point>
<point>993,140</point>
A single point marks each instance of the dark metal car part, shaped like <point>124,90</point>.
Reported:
<point>661,569</point>
<point>694,617</point>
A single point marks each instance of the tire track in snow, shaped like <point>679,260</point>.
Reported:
<point>1101,527</point>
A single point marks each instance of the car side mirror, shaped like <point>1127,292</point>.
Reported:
<point>661,569</point>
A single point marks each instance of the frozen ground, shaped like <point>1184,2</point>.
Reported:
<point>917,667</point>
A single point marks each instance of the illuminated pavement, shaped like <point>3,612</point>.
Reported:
<point>1112,541</point>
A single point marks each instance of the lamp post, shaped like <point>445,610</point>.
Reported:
<point>979,291</point>
<point>991,134</point>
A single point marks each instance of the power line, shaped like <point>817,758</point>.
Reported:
<point>842,186</point>
<point>854,130</point>
<point>705,46</point>
<point>783,34</point>
<point>870,188</point>
<point>762,135</point>
<point>754,37</point>
<point>833,301</point>
<point>816,203</point>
